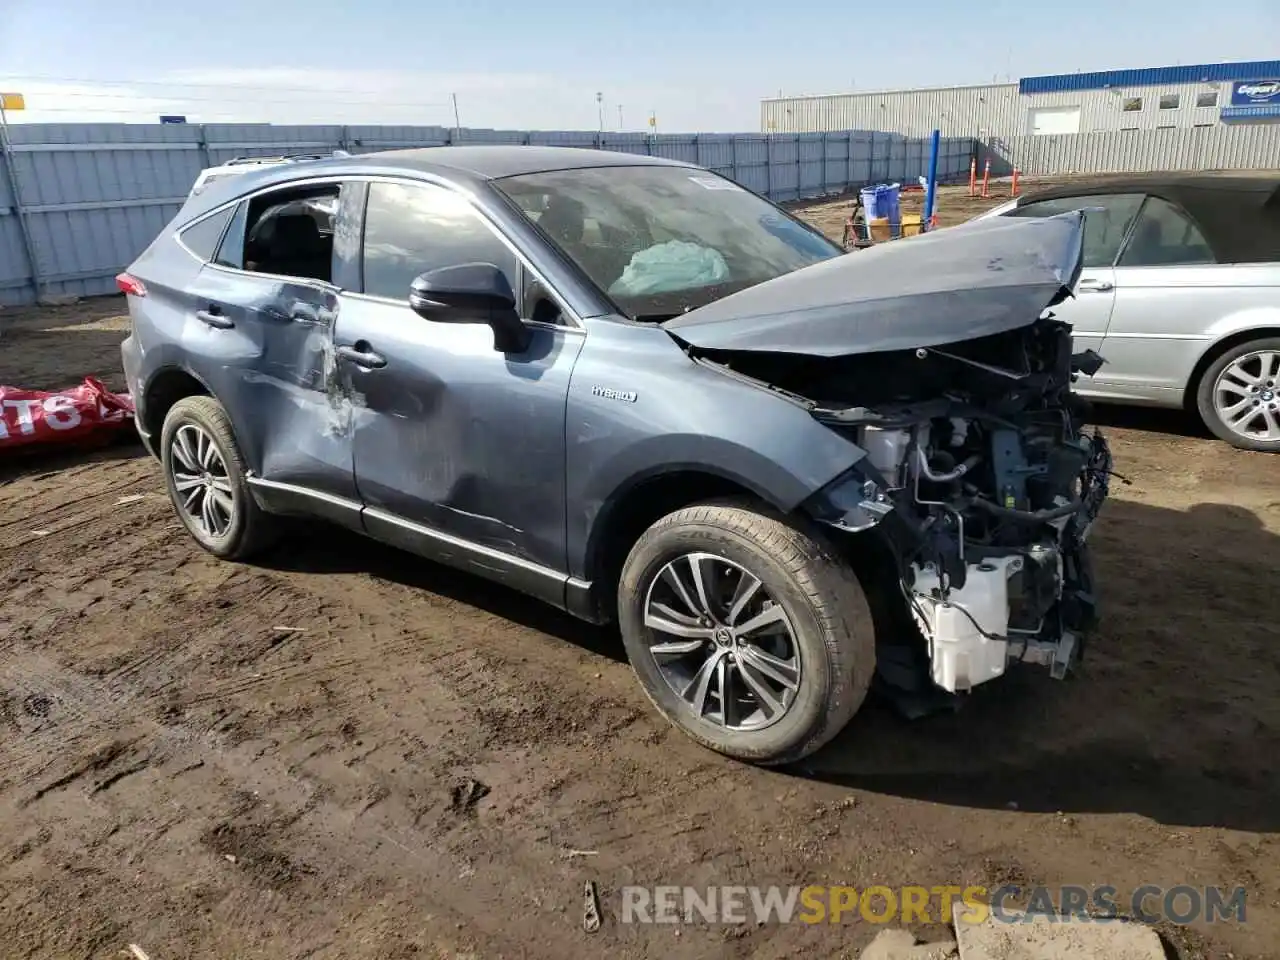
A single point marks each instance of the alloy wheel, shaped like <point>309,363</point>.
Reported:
<point>1246,398</point>
<point>204,489</point>
<point>722,642</point>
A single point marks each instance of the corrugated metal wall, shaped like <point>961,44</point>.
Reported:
<point>1242,147</point>
<point>956,111</point>
<point>996,110</point>
<point>95,195</point>
<point>1102,110</point>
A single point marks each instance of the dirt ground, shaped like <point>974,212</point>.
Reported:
<point>345,752</point>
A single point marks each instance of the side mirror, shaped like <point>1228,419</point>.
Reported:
<point>471,293</point>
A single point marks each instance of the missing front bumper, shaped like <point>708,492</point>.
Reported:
<point>1031,605</point>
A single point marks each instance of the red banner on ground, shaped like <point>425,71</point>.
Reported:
<point>64,416</point>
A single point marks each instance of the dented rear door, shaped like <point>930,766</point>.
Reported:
<point>264,345</point>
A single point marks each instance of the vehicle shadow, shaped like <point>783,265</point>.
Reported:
<point>324,549</point>
<point>1177,423</point>
<point>1173,714</point>
<point>35,459</point>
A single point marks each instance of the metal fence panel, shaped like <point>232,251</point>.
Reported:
<point>1221,147</point>
<point>95,195</point>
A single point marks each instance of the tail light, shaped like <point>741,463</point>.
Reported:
<point>131,285</point>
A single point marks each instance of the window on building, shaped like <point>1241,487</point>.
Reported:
<point>1207,99</point>
<point>1132,104</point>
<point>1169,101</point>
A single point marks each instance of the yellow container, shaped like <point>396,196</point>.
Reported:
<point>911,224</point>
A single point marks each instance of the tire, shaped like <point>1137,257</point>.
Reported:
<point>1260,356</point>
<point>249,529</point>
<point>828,625</point>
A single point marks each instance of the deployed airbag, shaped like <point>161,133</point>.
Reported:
<point>673,265</point>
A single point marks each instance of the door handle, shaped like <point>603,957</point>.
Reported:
<point>1096,286</point>
<point>362,355</point>
<point>211,318</point>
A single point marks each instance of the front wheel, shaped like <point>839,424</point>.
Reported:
<point>1239,396</point>
<point>745,631</point>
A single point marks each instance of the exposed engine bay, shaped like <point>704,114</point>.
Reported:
<point>981,477</point>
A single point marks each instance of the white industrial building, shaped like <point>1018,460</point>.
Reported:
<point>1200,95</point>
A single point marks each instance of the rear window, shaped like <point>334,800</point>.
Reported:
<point>202,238</point>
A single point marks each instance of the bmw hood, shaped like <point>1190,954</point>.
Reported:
<point>981,278</point>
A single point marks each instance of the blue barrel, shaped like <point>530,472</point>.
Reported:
<point>882,201</point>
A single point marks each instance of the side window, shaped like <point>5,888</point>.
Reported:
<point>202,238</point>
<point>1164,237</point>
<point>231,253</point>
<point>1107,219</point>
<point>287,233</point>
<point>537,302</point>
<point>412,228</point>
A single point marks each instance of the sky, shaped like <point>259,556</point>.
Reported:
<point>515,64</point>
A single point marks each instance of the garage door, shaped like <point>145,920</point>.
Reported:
<point>1049,120</point>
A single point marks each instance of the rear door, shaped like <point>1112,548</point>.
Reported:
<point>1108,220</point>
<point>1169,291</point>
<point>262,315</point>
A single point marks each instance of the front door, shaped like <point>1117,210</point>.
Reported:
<point>455,443</point>
<point>1107,221</point>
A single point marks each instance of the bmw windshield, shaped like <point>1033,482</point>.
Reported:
<point>663,240</point>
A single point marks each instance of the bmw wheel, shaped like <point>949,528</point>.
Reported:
<point>1239,396</point>
<point>745,631</point>
<point>205,476</point>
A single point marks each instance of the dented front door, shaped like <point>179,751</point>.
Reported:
<point>454,437</point>
<point>459,449</point>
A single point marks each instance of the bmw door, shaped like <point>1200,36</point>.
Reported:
<point>1108,220</point>
<point>1169,291</point>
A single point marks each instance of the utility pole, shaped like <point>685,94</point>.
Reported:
<point>620,126</point>
<point>600,109</point>
<point>457,124</point>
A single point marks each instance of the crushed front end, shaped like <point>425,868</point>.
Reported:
<point>983,481</point>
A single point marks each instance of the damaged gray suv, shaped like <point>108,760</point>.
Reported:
<point>644,394</point>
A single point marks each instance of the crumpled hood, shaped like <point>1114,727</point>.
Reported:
<point>981,278</point>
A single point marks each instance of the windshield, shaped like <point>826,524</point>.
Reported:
<point>663,240</point>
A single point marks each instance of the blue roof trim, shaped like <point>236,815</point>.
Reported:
<point>1244,113</point>
<point>1151,76</point>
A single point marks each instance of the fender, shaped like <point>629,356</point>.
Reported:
<point>639,408</point>
<point>167,358</point>
<point>1242,321</point>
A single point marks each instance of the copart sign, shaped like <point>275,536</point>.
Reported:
<point>1255,93</point>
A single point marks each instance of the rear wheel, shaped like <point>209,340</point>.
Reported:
<point>745,631</point>
<point>205,476</point>
<point>1239,395</point>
